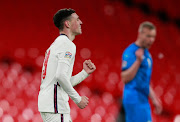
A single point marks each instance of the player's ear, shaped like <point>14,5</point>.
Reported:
<point>67,23</point>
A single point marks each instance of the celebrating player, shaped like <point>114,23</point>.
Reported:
<point>136,74</point>
<point>57,81</point>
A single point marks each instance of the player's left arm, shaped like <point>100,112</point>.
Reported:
<point>155,100</point>
<point>88,68</point>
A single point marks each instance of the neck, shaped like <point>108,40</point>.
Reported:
<point>138,43</point>
<point>68,34</point>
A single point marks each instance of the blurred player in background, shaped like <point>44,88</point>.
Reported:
<point>136,74</point>
<point>57,81</point>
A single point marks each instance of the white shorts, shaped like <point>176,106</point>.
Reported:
<point>52,117</point>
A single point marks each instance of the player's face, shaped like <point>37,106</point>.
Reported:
<point>75,24</point>
<point>147,37</point>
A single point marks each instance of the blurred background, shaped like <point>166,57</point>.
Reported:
<point>109,26</point>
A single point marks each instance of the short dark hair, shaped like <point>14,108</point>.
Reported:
<point>61,16</point>
<point>148,25</point>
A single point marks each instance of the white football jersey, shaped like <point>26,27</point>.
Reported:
<point>52,97</point>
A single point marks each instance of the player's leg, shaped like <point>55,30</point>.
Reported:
<point>137,113</point>
<point>65,118</point>
<point>51,117</point>
<point>148,112</point>
<point>43,116</point>
<point>130,113</point>
<point>144,113</point>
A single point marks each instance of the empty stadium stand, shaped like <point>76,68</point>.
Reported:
<point>108,28</point>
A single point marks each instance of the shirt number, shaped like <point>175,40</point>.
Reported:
<point>45,64</point>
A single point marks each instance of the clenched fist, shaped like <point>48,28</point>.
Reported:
<point>83,103</point>
<point>139,54</point>
<point>88,66</point>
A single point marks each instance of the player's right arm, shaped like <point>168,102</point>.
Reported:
<point>128,74</point>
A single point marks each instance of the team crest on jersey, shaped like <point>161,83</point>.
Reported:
<point>149,62</point>
<point>68,55</point>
